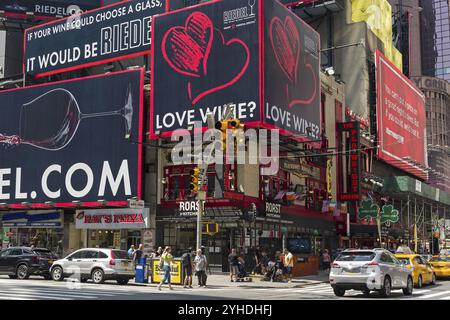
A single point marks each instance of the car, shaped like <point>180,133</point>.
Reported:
<point>441,266</point>
<point>422,271</point>
<point>96,264</point>
<point>369,270</point>
<point>22,262</point>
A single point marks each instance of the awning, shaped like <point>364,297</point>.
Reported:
<point>363,230</point>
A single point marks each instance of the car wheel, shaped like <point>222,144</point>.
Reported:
<point>433,280</point>
<point>409,287</point>
<point>57,274</point>
<point>12,276</point>
<point>47,276</point>
<point>420,282</point>
<point>22,272</point>
<point>122,281</point>
<point>366,292</point>
<point>339,292</point>
<point>386,290</point>
<point>98,276</point>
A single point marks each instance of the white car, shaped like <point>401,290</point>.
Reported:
<point>96,264</point>
<point>368,270</point>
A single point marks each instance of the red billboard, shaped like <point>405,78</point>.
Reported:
<point>400,119</point>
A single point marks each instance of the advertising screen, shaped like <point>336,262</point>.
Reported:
<point>291,74</point>
<point>46,9</point>
<point>117,31</point>
<point>72,140</point>
<point>400,119</point>
<point>208,56</point>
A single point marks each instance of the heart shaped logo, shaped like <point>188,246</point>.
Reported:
<point>285,42</point>
<point>186,49</point>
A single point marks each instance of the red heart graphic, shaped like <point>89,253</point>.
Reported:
<point>186,48</point>
<point>226,84</point>
<point>285,42</point>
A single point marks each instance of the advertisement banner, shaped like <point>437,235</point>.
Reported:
<point>112,219</point>
<point>117,31</point>
<point>72,140</point>
<point>400,119</point>
<point>46,9</point>
<point>292,62</point>
<point>175,272</point>
<point>208,55</point>
<point>32,219</point>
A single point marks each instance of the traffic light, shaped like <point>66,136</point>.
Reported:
<point>223,126</point>
<point>193,186</point>
<point>210,228</point>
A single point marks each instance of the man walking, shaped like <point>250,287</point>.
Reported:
<point>186,261</point>
<point>288,264</point>
<point>233,261</point>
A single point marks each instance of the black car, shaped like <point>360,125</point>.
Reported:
<point>21,262</point>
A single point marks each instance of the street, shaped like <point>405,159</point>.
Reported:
<point>39,289</point>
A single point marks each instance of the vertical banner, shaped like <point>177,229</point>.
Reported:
<point>114,32</point>
<point>204,57</point>
<point>72,140</point>
<point>400,119</point>
<point>353,190</point>
<point>291,73</point>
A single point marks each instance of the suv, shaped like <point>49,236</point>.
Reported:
<point>21,262</point>
<point>368,270</point>
<point>96,264</point>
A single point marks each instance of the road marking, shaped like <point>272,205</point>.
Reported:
<point>445,298</point>
<point>428,296</point>
<point>34,296</point>
<point>13,298</point>
<point>56,292</point>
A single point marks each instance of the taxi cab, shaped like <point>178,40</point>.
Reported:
<point>441,265</point>
<point>422,271</point>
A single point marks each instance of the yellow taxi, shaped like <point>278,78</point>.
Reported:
<point>422,271</point>
<point>441,265</point>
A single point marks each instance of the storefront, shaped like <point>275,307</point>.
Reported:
<point>41,228</point>
<point>111,228</point>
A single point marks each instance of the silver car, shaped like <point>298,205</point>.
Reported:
<point>96,264</point>
<point>368,270</point>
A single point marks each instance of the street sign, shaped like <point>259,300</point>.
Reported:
<point>136,204</point>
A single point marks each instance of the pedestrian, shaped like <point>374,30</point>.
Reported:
<point>186,262</point>
<point>131,251</point>
<point>288,264</point>
<point>166,262</point>
<point>257,262</point>
<point>200,268</point>
<point>233,261</point>
<point>326,261</point>
<point>138,254</point>
<point>264,262</point>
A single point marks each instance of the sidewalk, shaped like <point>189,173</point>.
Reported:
<point>222,281</point>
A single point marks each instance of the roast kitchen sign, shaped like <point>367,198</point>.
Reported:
<point>112,219</point>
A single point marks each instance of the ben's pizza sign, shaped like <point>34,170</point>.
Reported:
<point>112,219</point>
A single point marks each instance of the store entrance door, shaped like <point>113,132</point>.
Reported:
<point>134,238</point>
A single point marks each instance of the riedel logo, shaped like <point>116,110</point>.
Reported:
<point>239,14</point>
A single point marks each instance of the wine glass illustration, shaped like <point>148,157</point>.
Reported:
<point>62,119</point>
<point>251,3</point>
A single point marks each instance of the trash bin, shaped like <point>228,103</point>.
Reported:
<point>142,271</point>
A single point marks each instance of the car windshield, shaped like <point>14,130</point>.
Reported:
<point>404,260</point>
<point>356,256</point>
<point>440,259</point>
<point>119,254</point>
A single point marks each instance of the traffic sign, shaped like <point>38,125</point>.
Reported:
<point>136,204</point>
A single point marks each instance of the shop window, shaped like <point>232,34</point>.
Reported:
<point>275,187</point>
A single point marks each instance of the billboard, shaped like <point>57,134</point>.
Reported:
<point>208,54</point>
<point>46,9</point>
<point>117,31</point>
<point>33,219</point>
<point>71,140</point>
<point>400,119</point>
<point>291,73</point>
<point>213,54</point>
<point>112,219</point>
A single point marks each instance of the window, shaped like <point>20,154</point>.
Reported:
<point>102,255</point>
<point>90,255</point>
<point>78,255</point>
<point>16,252</point>
<point>119,254</point>
<point>356,256</point>
<point>385,258</point>
<point>5,253</point>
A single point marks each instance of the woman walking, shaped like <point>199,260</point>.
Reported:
<point>200,268</point>
<point>166,262</point>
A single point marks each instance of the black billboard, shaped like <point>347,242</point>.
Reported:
<point>292,73</point>
<point>117,31</point>
<point>72,140</point>
<point>209,56</point>
<point>47,8</point>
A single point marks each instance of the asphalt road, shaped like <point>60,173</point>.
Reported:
<point>39,289</point>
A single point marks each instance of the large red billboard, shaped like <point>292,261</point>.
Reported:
<point>400,119</point>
